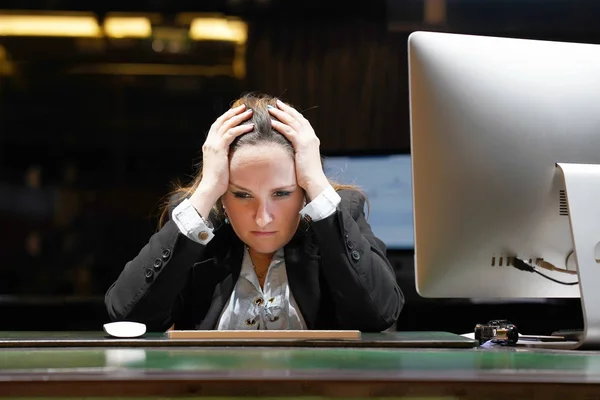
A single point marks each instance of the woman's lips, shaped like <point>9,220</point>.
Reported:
<point>262,233</point>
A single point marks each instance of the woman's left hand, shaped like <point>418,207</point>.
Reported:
<point>309,170</point>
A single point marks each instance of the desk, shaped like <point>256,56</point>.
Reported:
<point>99,339</point>
<point>368,372</point>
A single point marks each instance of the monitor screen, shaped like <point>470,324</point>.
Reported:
<point>490,119</point>
<point>386,180</point>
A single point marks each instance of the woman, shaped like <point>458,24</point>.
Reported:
<point>261,239</point>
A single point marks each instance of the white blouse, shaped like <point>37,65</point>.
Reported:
<point>272,307</point>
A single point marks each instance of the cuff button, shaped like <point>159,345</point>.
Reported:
<point>203,235</point>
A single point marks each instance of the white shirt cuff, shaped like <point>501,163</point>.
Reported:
<point>323,205</point>
<point>191,224</point>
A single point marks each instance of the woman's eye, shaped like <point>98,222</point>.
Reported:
<point>281,193</point>
<point>241,195</point>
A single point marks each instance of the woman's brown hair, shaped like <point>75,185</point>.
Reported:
<point>261,134</point>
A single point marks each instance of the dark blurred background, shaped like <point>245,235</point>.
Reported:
<point>94,129</point>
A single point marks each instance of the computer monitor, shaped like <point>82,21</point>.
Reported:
<point>505,143</point>
<point>386,180</point>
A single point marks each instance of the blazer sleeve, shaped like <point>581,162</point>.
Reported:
<point>363,285</point>
<point>149,289</point>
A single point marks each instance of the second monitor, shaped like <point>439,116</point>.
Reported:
<point>386,180</point>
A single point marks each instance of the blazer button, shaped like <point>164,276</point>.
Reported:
<point>203,235</point>
<point>166,253</point>
<point>349,244</point>
<point>149,273</point>
<point>355,255</point>
<point>158,264</point>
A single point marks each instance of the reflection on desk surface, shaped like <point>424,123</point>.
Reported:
<point>379,362</point>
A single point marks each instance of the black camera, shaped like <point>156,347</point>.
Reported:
<point>498,331</point>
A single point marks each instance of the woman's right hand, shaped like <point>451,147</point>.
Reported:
<point>215,160</point>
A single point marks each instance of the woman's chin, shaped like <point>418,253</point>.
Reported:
<point>265,245</point>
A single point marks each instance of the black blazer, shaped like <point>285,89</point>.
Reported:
<point>337,270</point>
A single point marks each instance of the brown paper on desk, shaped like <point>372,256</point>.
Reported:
<point>260,334</point>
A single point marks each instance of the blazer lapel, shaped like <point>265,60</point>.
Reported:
<point>302,267</point>
<point>232,263</point>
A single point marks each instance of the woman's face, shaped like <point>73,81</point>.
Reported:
<point>263,200</point>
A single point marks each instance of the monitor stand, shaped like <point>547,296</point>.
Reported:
<point>582,187</point>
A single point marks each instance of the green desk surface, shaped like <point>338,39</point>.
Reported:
<point>268,362</point>
<point>326,372</point>
<point>95,339</point>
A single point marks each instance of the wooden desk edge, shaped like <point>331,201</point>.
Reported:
<point>245,343</point>
<point>323,388</point>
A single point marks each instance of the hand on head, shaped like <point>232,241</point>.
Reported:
<point>297,129</point>
<point>215,171</point>
<point>261,164</point>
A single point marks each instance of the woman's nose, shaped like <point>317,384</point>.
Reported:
<point>263,216</point>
